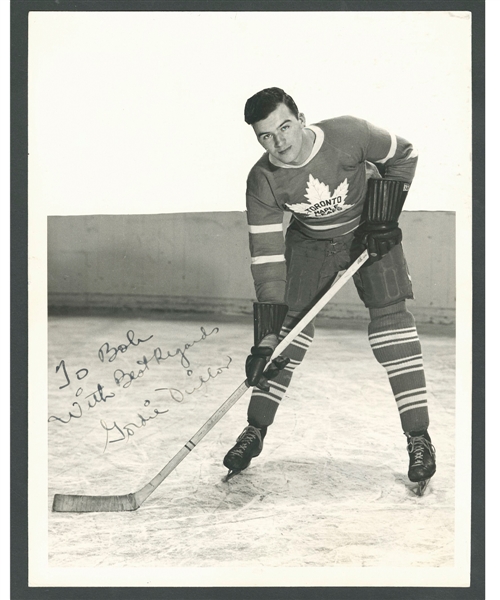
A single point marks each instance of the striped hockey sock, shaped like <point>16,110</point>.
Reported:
<point>263,405</point>
<point>395,343</point>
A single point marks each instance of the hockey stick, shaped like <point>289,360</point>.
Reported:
<point>132,501</point>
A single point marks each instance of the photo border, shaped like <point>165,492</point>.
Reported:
<point>19,305</point>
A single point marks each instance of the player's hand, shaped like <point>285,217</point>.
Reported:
<point>256,363</point>
<point>379,241</point>
<point>255,366</point>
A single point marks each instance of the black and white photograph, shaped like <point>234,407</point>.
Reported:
<point>250,298</point>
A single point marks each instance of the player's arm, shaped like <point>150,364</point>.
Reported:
<point>267,245</point>
<point>395,156</point>
<point>379,231</point>
<point>268,267</point>
<point>397,159</point>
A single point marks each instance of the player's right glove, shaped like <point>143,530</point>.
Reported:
<point>268,319</point>
<point>256,363</point>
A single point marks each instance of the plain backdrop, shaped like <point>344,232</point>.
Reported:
<point>141,112</point>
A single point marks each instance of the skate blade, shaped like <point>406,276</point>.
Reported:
<point>231,474</point>
<point>420,488</point>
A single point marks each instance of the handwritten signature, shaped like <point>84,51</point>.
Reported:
<point>178,395</point>
<point>53,418</point>
<point>105,349</point>
<point>125,379</point>
<point>124,432</point>
<point>128,430</point>
<point>117,432</point>
<point>96,397</point>
<point>108,353</point>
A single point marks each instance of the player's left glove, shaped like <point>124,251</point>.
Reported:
<point>379,239</point>
<point>379,231</point>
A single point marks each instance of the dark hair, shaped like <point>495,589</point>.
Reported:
<point>263,103</point>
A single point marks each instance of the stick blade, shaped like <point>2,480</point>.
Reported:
<point>80,504</point>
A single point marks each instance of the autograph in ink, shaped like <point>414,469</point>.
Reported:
<point>70,415</point>
<point>178,395</point>
<point>96,397</point>
<point>105,349</point>
<point>80,374</point>
<point>124,432</point>
<point>108,353</point>
<point>128,430</point>
<point>125,379</point>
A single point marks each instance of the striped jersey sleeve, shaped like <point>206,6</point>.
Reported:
<point>267,247</point>
<point>396,156</point>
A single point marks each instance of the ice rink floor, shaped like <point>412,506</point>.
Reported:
<point>329,489</point>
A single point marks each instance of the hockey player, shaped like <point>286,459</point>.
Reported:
<point>320,174</point>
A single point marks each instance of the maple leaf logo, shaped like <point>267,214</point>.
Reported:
<point>316,190</point>
<point>320,201</point>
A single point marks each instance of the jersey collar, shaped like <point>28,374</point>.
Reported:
<point>318,142</point>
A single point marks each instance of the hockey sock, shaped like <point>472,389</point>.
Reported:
<point>263,405</point>
<point>395,343</point>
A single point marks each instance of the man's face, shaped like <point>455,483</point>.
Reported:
<point>283,135</point>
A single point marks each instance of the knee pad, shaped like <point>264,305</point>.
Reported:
<point>386,281</point>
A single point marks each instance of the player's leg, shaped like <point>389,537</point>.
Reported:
<point>312,266</point>
<point>384,287</point>
<point>264,403</point>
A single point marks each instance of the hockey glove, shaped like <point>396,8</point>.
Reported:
<point>256,363</point>
<point>379,238</point>
<point>268,319</point>
<point>255,367</point>
<point>379,232</point>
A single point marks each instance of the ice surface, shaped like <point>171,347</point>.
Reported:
<point>329,489</point>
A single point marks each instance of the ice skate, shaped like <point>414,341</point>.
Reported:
<point>422,460</point>
<point>248,445</point>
